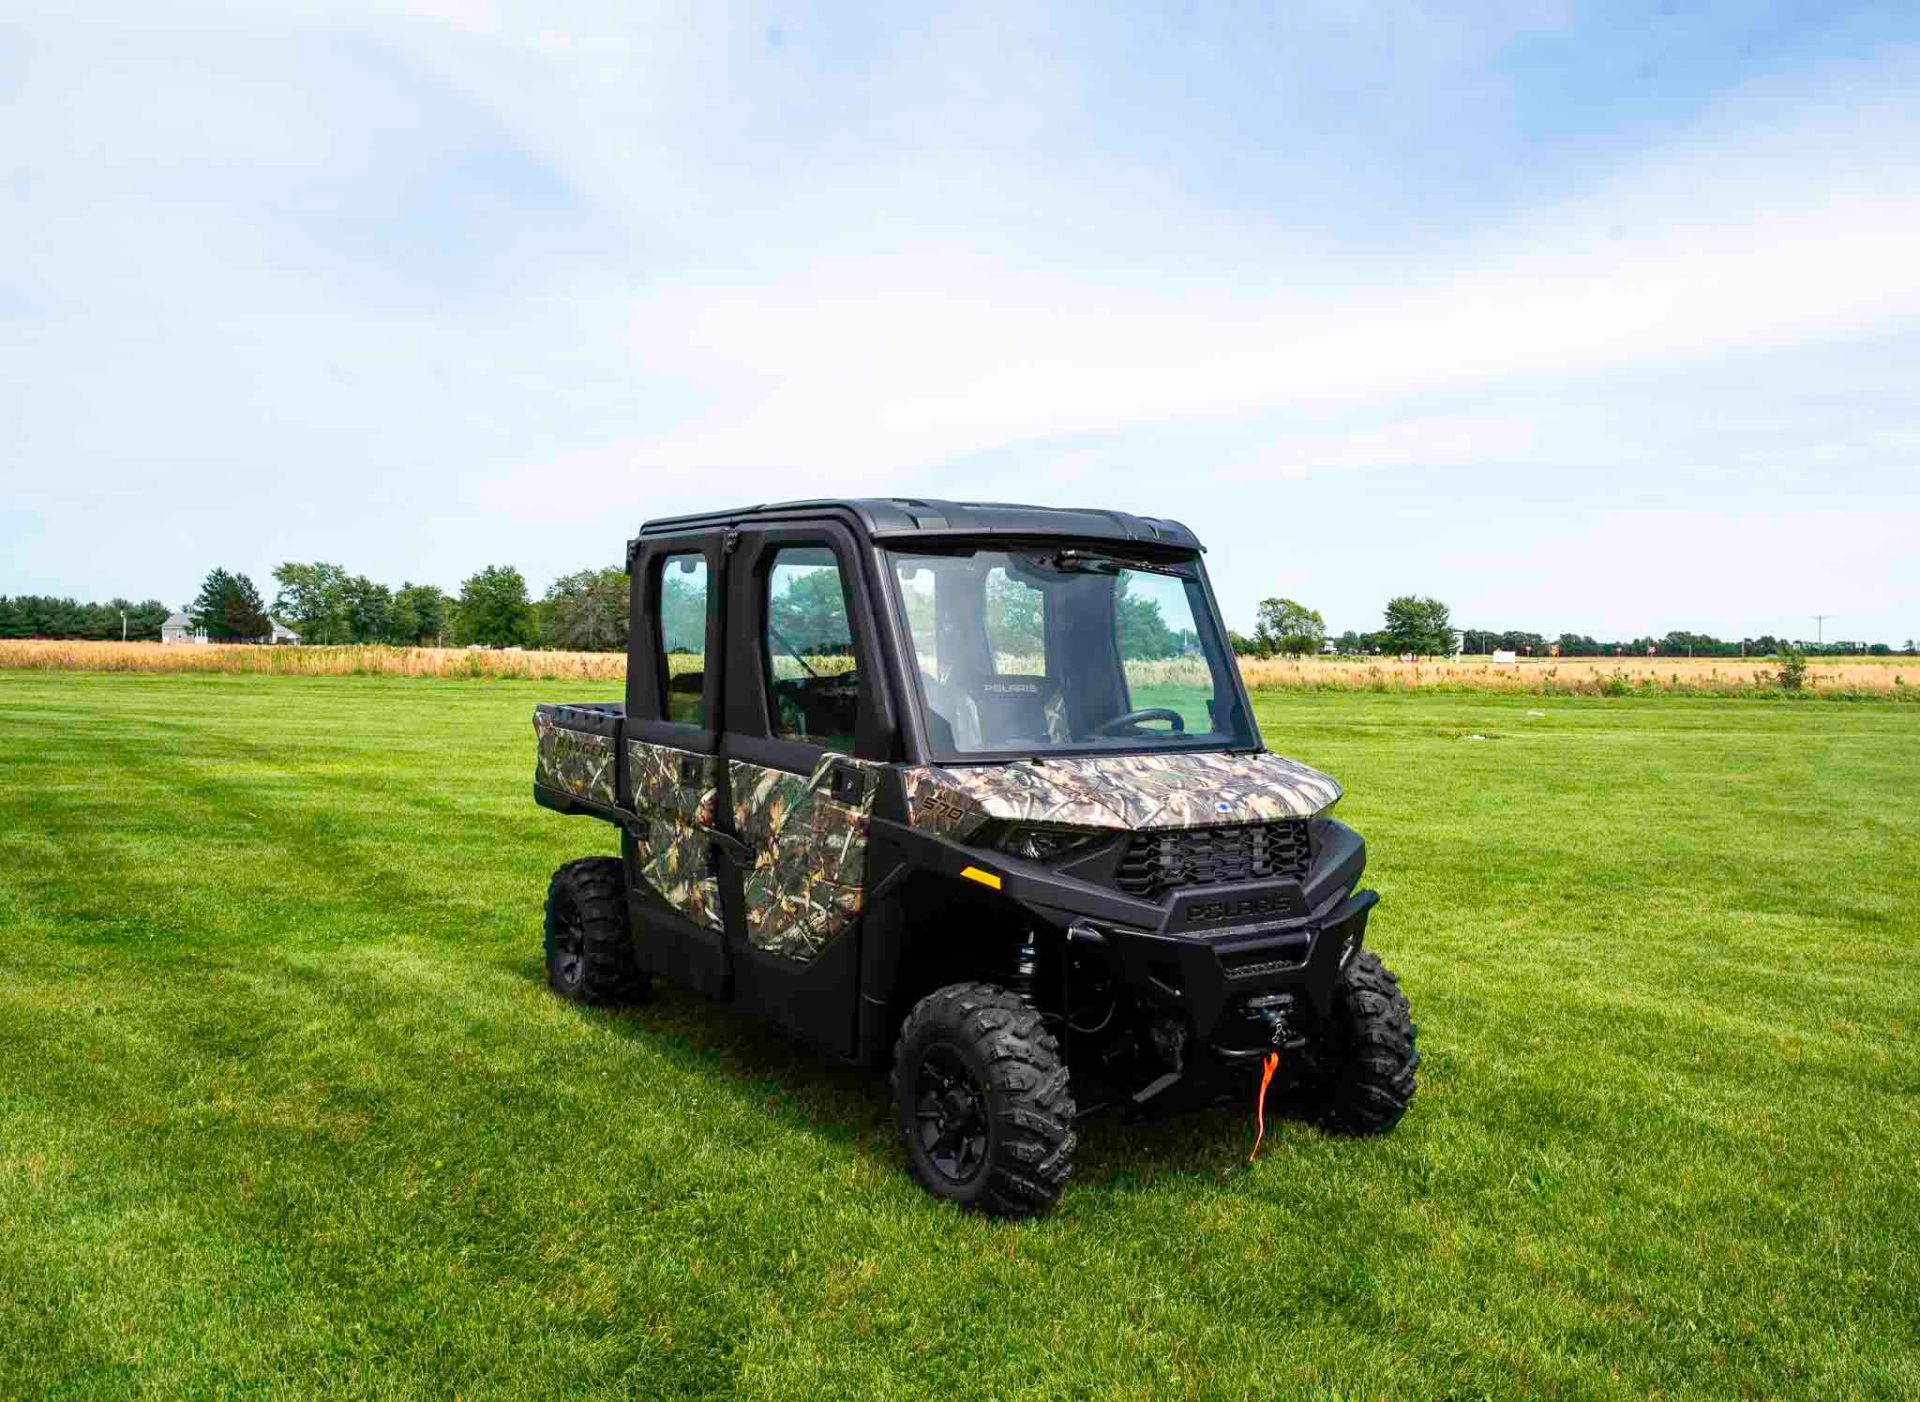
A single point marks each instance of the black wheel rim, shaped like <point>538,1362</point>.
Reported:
<point>569,944</point>
<point>950,1115</point>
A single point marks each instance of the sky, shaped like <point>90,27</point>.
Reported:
<point>1603,319</point>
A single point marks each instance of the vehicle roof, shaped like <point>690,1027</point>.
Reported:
<point>903,518</point>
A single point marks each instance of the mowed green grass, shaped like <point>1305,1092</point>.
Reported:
<point>285,1109</point>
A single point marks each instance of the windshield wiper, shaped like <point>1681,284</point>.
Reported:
<point>1075,561</point>
<point>1080,562</point>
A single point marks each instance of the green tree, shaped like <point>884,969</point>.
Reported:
<point>229,607</point>
<point>419,615</point>
<point>590,610</point>
<point>810,613</point>
<point>368,610</point>
<point>1681,643</point>
<point>1143,631</point>
<point>1282,625</point>
<point>314,601</point>
<point>1417,625</point>
<point>494,610</point>
<point>1016,620</point>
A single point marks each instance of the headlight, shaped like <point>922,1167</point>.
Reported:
<point>1037,843</point>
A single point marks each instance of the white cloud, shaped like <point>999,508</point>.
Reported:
<point>1430,442</point>
<point>880,257</point>
<point>864,369</point>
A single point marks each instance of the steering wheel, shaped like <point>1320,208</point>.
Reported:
<point>1148,713</point>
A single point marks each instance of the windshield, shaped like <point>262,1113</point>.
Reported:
<point>1065,651</point>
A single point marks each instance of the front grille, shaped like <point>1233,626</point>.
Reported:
<point>1267,958</point>
<point>1158,862</point>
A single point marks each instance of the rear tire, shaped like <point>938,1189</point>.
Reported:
<point>1370,1055</point>
<point>589,945</point>
<point>982,1101</point>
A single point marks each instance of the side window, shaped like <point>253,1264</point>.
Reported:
<point>1160,647</point>
<point>683,638</point>
<point>813,690</point>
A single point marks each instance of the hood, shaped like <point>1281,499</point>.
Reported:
<point>1176,790</point>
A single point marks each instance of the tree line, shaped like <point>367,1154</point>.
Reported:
<point>581,612</point>
<point>586,611</point>
<point>1423,627</point>
<point>1413,625</point>
<point>40,616</point>
<point>1678,643</point>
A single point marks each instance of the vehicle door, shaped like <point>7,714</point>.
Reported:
<point>806,731</point>
<point>672,772</point>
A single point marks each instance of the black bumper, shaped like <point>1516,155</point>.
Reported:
<point>1195,959</point>
<point>1230,999</point>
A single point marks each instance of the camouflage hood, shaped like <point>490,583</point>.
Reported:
<point>1118,791</point>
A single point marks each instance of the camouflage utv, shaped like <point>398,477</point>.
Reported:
<point>974,792</point>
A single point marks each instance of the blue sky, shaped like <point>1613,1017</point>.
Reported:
<point>1603,319</point>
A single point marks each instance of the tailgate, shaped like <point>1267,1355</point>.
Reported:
<point>577,761</point>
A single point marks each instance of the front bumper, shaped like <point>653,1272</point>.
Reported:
<point>1222,974</point>
<point>1222,1002</point>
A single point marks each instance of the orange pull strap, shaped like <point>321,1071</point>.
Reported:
<point>1260,1103</point>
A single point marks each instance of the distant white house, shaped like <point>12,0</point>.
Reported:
<point>179,629</point>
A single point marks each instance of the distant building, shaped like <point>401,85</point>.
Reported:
<point>179,629</point>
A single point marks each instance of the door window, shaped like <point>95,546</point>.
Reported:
<point>813,687</point>
<point>683,638</point>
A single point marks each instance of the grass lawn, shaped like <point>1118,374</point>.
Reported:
<point>284,1107</point>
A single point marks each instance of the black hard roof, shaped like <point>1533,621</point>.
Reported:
<point>895,518</point>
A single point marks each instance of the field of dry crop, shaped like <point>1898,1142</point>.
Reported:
<point>357,661</point>
<point>1585,676</point>
<point>1896,677</point>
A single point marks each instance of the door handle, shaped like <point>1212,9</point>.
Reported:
<point>846,784</point>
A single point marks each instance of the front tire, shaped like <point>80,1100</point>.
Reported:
<point>983,1103</point>
<point>1370,1056</point>
<point>589,945</point>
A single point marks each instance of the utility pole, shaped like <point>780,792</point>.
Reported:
<point>1819,626</point>
<point>123,625</point>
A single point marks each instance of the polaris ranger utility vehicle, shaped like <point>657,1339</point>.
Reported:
<point>974,790</point>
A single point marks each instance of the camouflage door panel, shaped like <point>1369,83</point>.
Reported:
<point>1174,790</point>
<point>573,761</point>
<point>676,791</point>
<point>810,852</point>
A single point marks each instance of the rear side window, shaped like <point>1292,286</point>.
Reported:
<point>683,638</point>
<point>813,689</point>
